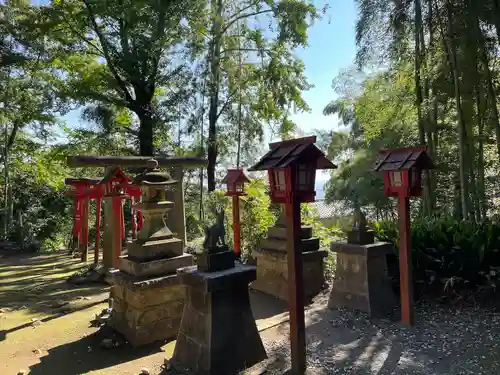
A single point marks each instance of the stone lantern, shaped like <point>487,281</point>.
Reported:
<point>148,297</point>
<point>291,167</point>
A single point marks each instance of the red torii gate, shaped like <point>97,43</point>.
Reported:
<point>114,185</point>
<point>79,188</point>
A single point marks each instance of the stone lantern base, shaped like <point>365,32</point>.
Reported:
<point>272,263</point>
<point>146,311</point>
<point>361,280</point>
<point>218,334</point>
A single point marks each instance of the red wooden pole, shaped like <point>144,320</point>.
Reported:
<point>134,215</point>
<point>84,229</point>
<point>295,284</point>
<point>236,225</point>
<point>122,219</point>
<point>117,230</point>
<point>97,230</point>
<point>75,213</point>
<point>140,218</point>
<point>405,261</point>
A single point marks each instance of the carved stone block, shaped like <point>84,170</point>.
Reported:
<point>361,280</point>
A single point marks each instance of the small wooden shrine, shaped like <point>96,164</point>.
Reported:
<point>402,169</point>
<point>235,181</point>
<point>291,167</point>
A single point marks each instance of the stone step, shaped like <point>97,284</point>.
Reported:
<point>280,232</point>
<point>308,244</point>
<point>151,250</point>
<point>153,268</point>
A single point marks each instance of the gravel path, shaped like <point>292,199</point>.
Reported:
<point>445,340</point>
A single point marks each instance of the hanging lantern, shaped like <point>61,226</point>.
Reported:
<point>235,182</point>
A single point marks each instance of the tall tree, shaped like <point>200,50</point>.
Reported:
<point>123,54</point>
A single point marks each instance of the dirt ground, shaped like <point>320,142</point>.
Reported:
<point>45,322</point>
<point>45,329</point>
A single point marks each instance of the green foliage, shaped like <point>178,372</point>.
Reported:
<point>451,254</point>
<point>257,215</point>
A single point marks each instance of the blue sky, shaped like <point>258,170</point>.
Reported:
<point>331,49</point>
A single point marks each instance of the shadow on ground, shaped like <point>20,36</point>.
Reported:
<point>63,311</point>
<point>38,282</point>
<point>86,354</point>
<point>265,306</point>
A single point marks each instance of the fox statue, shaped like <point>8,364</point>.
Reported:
<point>215,235</point>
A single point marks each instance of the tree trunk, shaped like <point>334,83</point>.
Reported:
<point>238,135</point>
<point>496,18</point>
<point>419,48</point>
<point>480,156</point>
<point>215,50</point>
<point>431,131</point>
<point>462,130</point>
<point>146,131</point>
<point>492,98</point>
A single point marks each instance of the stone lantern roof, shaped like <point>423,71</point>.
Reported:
<point>153,176</point>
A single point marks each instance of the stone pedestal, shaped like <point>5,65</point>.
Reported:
<point>216,261</point>
<point>146,311</point>
<point>272,263</point>
<point>218,334</point>
<point>361,280</point>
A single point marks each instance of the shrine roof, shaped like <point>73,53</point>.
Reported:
<point>402,159</point>
<point>235,175</point>
<point>88,180</point>
<point>286,153</point>
<point>115,173</point>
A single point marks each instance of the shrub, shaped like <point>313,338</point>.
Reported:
<point>451,253</point>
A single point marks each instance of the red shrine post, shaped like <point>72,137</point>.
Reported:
<point>81,192</point>
<point>115,184</point>
<point>235,181</point>
<point>402,168</point>
<point>291,167</point>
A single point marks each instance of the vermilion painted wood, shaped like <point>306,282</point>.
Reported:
<point>97,230</point>
<point>236,225</point>
<point>235,177</point>
<point>405,261</point>
<point>410,165</point>
<point>295,279</point>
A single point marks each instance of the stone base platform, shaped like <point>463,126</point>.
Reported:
<point>146,311</point>
<point>154,268</point>
<point>272,272</point>
<point>361,280</point>
<point>218,335</point>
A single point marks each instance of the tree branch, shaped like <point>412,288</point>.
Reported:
<point>229,97</point>
<point>160,28</point>
<point>106,53</point>
<point>231,22</point>
<point>246,50</point>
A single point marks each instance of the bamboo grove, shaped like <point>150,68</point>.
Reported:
<point>429,76</point>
